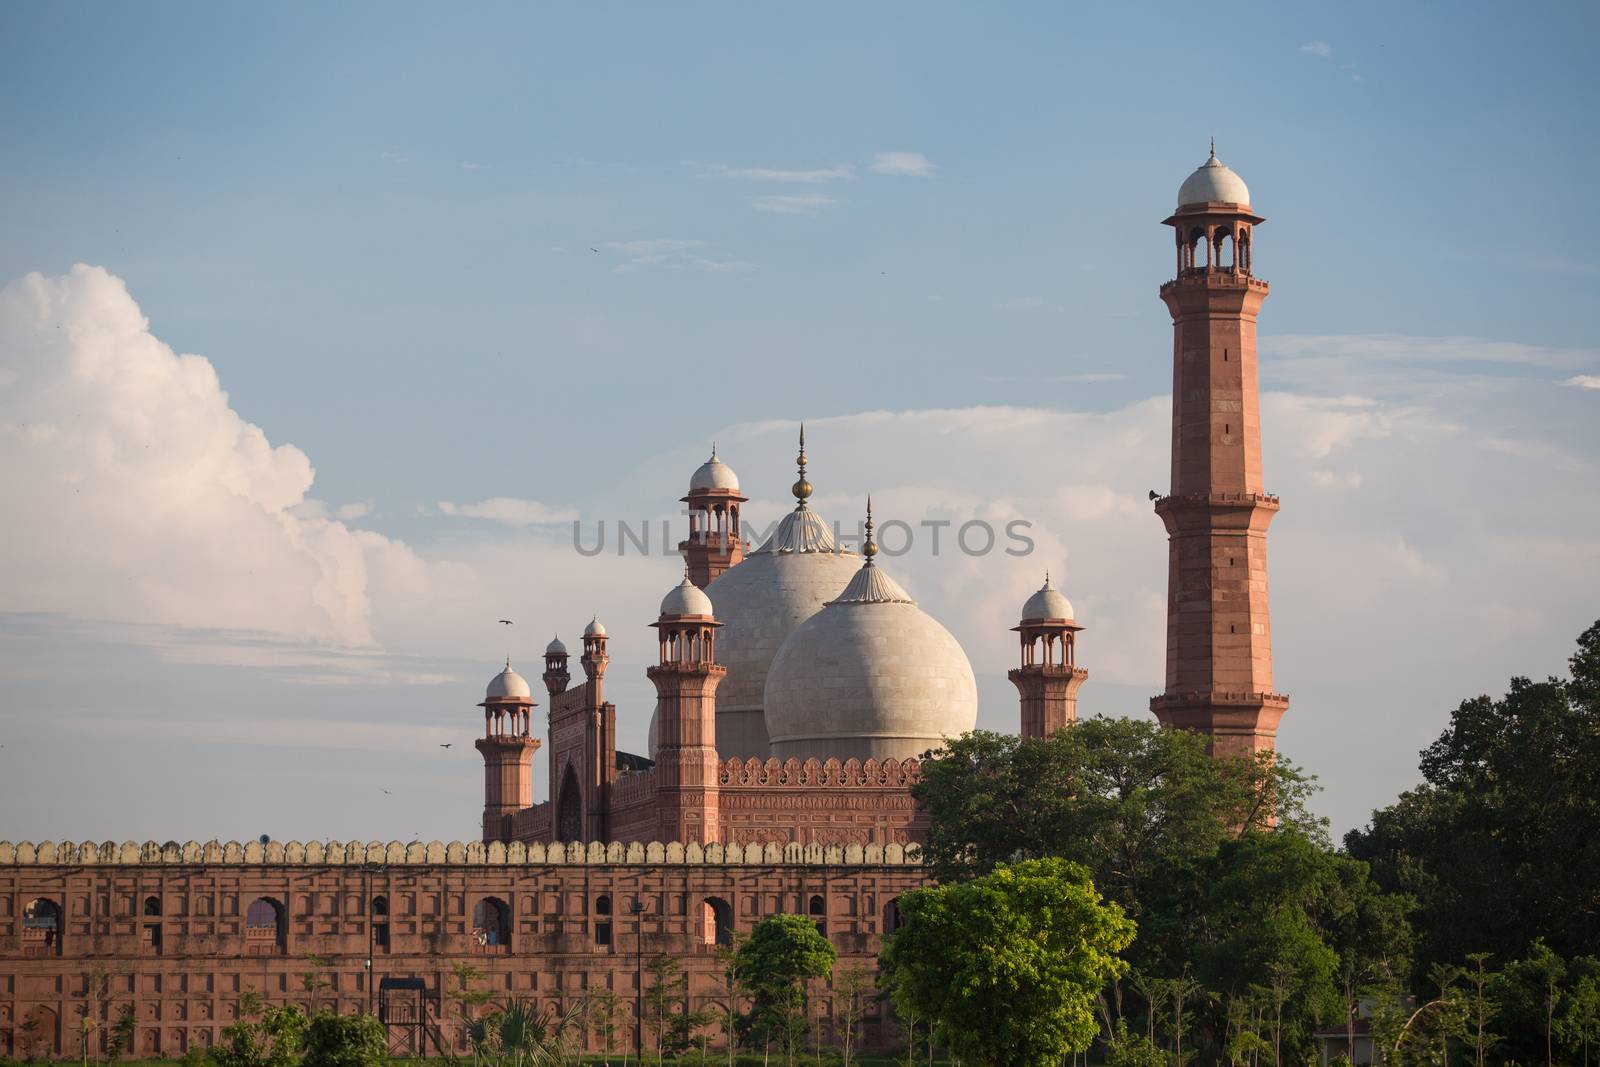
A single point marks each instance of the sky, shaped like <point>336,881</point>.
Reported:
<point>321,325</point>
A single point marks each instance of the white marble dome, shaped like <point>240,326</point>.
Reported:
<point>871,675</point>
<point>714,474</point>
<point>759,603</point>
<point>555,647</point>
<point>1047,604</point>
<point>1211,182</point>
<point>508,685</point>
<point>685,599</point>
<point>596,628</point>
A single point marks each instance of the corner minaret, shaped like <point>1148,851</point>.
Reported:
<point>508,746</point>
<point>556,675</point>
<point>1049,677</point>
<point>1219,636</point>
<point>716,541</point>
<point>686,716</point>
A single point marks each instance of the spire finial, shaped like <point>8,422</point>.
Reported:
<point>869,547</point>
<point>713,450</point>
<point>802,488</point>
<point>1213,158</point>
<point>1047,579</point>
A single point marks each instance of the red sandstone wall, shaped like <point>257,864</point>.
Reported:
<point>183,980</point>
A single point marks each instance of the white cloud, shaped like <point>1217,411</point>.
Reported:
<point>910,164</point>
<point>510,511</point>
<point>816,176</point>
<point>810,204</point>
<point>1583,381</point>
<point>137,491</point>
<point>1335,479</point>
<point>1320,49</point>
<point>674,254</point>
<point>1398,348</point>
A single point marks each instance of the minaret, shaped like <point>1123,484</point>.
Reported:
<point>508,746</point>
<point>686,716</point>
<point>1219,637</point>
<point>555,667</point>
<point>716,541</point>
<point>1049,677</point>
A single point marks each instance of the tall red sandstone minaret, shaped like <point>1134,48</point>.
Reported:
<point>686,716</point>
<point>716,541</point>
<point>1049,677</point>
<point>1219,637</point>
<point>508,746</point>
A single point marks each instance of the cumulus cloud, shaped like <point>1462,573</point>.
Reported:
<point>810,204</point>
<point>1583,381</point>
<point>136,492</point>
<point>909,164</point>
<point>510,511</point>
<point>1320,49</point>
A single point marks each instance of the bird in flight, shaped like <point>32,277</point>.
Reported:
<point>595,250</point>
<point>447,744</point>
<point>505,622</point>
<point>387,793</point>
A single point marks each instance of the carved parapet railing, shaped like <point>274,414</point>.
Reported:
<point>634,788</point>
<point>889,773</point>
<point>458,854</point>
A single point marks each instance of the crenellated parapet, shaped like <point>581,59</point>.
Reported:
<point>452,854</point>
<point>831,773</point>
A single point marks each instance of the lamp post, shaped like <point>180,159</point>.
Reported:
<point>369,869</point>
<point>637,910</point>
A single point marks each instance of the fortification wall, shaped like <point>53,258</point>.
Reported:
<point>820,802</point>
<point>177,933</point>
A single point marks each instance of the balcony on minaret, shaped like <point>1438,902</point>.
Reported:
<point>716,540</point>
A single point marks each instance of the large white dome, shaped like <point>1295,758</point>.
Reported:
<point>870,675</point>
<point>508,685</point>
<point>714,474</point>
<point>1213,182</point>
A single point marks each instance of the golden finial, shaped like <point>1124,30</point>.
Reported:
<point>869,547</point>
<point>802,488</point>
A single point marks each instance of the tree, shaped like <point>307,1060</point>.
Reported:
<point>783,954</point>
<point>262,1036</point>
<point>730,990</point>
<point>1498,844</point>
<point>468,1002</point>
<point>672,1024</point>
<point>601,1007</point>
<point>1481,1006</point>
<point>1529,990</point>
<point>1579,1027</point>
<point>854,993</point>
<point>345,1041</point>
<point>1008,966</point>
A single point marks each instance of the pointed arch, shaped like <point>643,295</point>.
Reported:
<point>569,808</point>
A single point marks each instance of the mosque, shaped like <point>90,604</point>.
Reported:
<point>798,687</point>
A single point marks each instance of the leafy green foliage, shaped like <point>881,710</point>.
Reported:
<point>783,954</point>
<point>345,1041</point>
<point>1500,844</point>
<point>1008,965</point>
<point>264,1035</point>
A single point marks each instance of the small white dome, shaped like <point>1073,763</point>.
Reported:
<point>714,474</point>
<point>508,685</point>
<point>685,599</point>
<point>1047,603</point>
<point>595,628</point>
<point>1213,182</point>
<point>555,648</point>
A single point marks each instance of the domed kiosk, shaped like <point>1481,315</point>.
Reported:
<point>871,675</point>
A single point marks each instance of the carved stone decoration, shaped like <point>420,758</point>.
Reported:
<point>555,852</point>
<point>894,852</point>
<point>394,852</point>
<point>191,852</point>
<point>210,852</point>
<point>416,854</point>
<point>714,852</point>
<point>253,852</point>
<point>693,854</point>
<point>772,853</point>
<point>674,852</point>
<point>636,852</point>
<point>873,854</point>
<point>496,854</point>
<point>854,854</point>
<point>517,853</point>
<point>434,853</point>
<point>375,852</point>
<point>655,852</point>
<point>128,853</point>
<point>595,853</point>
<point>536,852</point>
<point>316,852</point>
<point>8,852</point>
<point>576,852</point>
<point>616,852</point>
<point>274,852</point>
<point>335,851</point>
<point>294,852</point>
<point>26,853</point>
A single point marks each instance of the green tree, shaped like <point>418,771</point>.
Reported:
<point>345,1041</point>
<point>731,990</point>
<point>670,1020</point>
<point>601,1008</point>
<point>854,994</point>
<point>1007,966</point>
<point>1579,1025</point>
<point>1530,991</point>
<point>1498,844</point>
<point>263,1035</point>
<point>783,955</point>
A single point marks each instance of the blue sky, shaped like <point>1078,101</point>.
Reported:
<point>376,221</point>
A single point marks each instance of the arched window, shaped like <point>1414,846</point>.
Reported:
<point>152,905</point>
<point>266,931</point>
<point>41,928</point>
<point>817,908</point>
<point>716,922</point>
<point>892,919</point>
<point>491,924</point>
<point>602,922</point>
<point>380,923</point>
<point>569,813</point>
